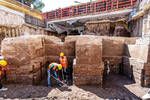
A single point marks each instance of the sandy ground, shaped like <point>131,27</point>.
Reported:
<point>115,87</point>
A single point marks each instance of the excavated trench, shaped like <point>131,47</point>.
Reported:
<point>95,57</point>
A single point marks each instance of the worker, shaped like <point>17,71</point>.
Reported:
<point>64,62</point>
<point>54,69</point>
<point>108,67</point>
<point>3,67</point>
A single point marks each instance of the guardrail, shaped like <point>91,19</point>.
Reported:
<point>88,8</point>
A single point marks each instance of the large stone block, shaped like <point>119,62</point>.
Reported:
<point>112,47</point>
<point>51,39</point>
<point>88,70</point>
<point>69,48</point>
<point>53,49</point>
<point>52,58</point>
<point>89,50</point>
<point>88,80</point>
<point>33,78</point>
<point>85,74</point>
<point>114,60</point>
<point>137,52</point>
<point>21,50</point>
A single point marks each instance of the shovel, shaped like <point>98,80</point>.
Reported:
<point>64,85</point>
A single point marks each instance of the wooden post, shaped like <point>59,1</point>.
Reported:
<point>86,8</point>
<point>131,2</point>
<point>61,14</point>
<point>55,14</point>
<point>112,3</point>
<point>106,5</point>
<point>117,4</point>
<point>94,7</point>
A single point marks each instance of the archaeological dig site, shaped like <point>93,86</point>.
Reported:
<point>74,49</point>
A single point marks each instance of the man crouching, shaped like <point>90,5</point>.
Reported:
<point>54,70</point>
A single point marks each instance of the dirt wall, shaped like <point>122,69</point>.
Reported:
<point>89,66</point>
<point>112,48</point>
<point>28,54</point>
<point>25,55</point>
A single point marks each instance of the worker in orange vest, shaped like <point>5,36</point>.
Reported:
<point>64,62</point>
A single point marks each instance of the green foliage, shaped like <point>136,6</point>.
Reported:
<point>38,4</point>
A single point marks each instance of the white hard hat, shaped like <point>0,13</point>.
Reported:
<point>1,57</point>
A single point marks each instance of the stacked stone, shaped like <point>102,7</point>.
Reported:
<point>89,67</point>
<point>147,75</point>
<point>26,57</point>
<point>113,51</point>
<point>147,70</point>
<point>100,28</point>
<point>134,62</point>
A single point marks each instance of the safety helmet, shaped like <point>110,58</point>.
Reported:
<point>62,54</point>
<point>59,67</point>
<point>3,63</point>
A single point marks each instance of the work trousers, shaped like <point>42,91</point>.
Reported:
<point>49,73</point>
<point>1,84</point>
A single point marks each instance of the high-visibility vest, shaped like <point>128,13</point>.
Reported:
<point>63,62</point>
<point>52,65</point>
<point>0,73</point>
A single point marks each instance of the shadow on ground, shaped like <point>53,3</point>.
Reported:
<point>113,88</point>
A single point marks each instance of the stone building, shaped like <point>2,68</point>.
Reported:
<point>21,21</point>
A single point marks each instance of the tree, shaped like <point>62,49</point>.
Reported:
<point>38,4</point>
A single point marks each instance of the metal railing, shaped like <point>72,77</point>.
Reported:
<point>88,8</point>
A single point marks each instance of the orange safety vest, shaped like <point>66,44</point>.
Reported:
<point>63,62</point>
<point>0,72</point>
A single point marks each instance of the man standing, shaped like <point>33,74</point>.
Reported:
<point>64,62</point>
<point>54,70</point>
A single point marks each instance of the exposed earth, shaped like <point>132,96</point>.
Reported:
<point>115,87</point>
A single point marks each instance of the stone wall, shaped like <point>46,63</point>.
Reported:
<point>112,48</point>
<point>136,63</point>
